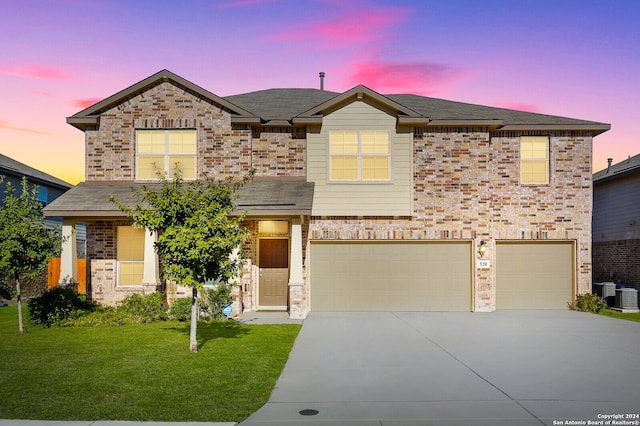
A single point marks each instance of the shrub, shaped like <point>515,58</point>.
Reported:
<point>144,307</point>
<point>58,304</point>
<point>589,302</point>
<point>7,291</point>
<point>214,299</point>
<point>181,309</point>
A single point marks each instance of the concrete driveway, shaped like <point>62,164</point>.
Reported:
<point>445,368</point>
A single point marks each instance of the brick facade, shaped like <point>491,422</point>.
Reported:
<point>465,187</point>
<point>617,261</point>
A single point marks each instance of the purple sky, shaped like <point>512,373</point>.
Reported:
<point>578,59</point>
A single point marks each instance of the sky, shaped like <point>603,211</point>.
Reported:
<point>572,58</point>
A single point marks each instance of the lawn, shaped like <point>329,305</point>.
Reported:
<point>139,371</point>
<point>629,316</point>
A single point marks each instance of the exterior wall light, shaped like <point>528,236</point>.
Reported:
<point>483,248</point>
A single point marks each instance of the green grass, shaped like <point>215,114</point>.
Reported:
<point>139,371</point>
<point>629,316</point>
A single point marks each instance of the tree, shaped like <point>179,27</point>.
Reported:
<point>26,245</point>
<point>196,234</point>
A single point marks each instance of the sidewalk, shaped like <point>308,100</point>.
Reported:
<point>105,423</point>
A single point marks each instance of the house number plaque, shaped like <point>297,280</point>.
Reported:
<point>484,264</point>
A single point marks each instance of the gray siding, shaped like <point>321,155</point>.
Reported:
<point>616,209</point>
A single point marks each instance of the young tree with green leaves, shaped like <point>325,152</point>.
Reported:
<point>196,234</point>
<point>26,245</point>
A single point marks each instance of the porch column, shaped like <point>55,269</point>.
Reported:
<point>150,272</point>
<point>69,254</point>
<point>296,279</point>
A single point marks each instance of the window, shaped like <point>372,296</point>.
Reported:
<point>166,151</point>
<point>359,155</point>
<point>534,159</point>
<point>130,246</point>
<point>43,194</point>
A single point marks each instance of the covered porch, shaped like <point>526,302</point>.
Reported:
<point>122,259</point>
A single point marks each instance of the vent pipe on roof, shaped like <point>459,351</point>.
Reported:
<point>321,80</point>
<point>609,161</point>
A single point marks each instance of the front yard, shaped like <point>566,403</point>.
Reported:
<point>139,371</point>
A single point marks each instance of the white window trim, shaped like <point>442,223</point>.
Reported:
<point>359,156</point>
<point>166,154</point>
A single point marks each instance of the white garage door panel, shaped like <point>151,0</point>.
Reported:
<point>353,276</point>
<point>534,275</point>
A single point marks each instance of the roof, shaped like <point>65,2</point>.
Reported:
<point>307,106</point>
<point>259,198</point>
<point>630,165</point>
<point>9,166</point>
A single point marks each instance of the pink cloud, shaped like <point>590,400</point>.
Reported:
<point>36,71</point>
<point>517,106</point>
<point>8,126</point>
<point>423,78</point>
<point>358,26</point>
<point>85,103</point>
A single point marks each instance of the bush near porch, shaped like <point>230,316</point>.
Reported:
<point>139,371</point>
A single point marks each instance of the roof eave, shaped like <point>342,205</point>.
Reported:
<point>83,123</point>
<point>466,122</point>
<point>595,128</point>
<point>86,214</point>
<point>317,119</point>
<point>415,121</point>
<point>237,119</point>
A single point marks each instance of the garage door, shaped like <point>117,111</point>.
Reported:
<point>534,275</point>
<point>355,276</point>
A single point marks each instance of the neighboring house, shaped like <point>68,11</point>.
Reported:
<point>361,201</point>
<point>616,222</point>
<point>49,187</point>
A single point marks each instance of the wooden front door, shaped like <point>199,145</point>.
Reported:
<point>274,272</point>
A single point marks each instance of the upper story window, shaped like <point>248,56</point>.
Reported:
<point>534,159</point>
<point>359,155</point>
<point>43,194</point>
<point>167,151</point>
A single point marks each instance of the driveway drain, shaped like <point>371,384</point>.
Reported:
<point>308,412</point>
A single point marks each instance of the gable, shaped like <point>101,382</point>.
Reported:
<point>90,117</point>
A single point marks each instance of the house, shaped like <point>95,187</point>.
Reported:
<point>360,202</point>
<point>616,222</point>
<point>49,188</point>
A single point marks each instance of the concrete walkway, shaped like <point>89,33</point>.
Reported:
<point>500,368</point>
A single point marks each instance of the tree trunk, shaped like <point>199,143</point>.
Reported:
<point>20,322</point>
<point>193,341</point>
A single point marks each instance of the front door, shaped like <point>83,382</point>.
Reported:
<point>274,272</point>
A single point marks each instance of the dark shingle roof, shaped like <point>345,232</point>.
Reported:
<point>268,197</point>
<point>285,104</point>
<point>280,104</point>
<point>440,109</point>
<point>631,164</point>
<point>10,166</point>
